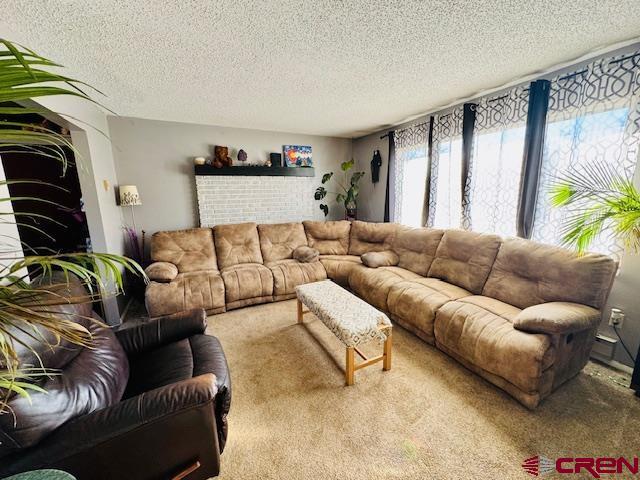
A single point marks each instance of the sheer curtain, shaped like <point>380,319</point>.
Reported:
<point>445,192</point>
<point>492,188</point>
<point>594,116</point>
<point>410,174</point>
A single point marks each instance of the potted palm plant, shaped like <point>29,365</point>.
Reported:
<point>349,190</point>
<point>25,75</point>
<point>600,199</point>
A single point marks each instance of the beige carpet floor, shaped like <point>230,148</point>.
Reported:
<point>292,417</point>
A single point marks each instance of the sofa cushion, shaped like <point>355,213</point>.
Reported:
<point>465,259</point>
<point>480,331</point>
<point>527,273</point>
<point>287,274</point>
<point>189,250</point>
<point>557,318</point>
<point>414,303</point>
<point>237,243</point>
<point>416,248</point>
<point>306,254</point>
<point>278,241</point>
<point>161,272</point>
<point>339,267</point>
<point>247,281</point>
<point>203,289</point>
<point>370,237</point>
<point>373,284</point>
<point>329,238</point>
<point>387,258</point>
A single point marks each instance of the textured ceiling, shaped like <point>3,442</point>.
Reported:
<point>325,67</point>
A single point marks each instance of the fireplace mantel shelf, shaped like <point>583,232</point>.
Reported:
<point>256,171</point>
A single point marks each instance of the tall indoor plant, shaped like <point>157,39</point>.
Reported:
<point>27,308</point>
<point>599,199</point>
<point>349,190</point>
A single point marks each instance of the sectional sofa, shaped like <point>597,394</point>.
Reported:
<point>521,314</point>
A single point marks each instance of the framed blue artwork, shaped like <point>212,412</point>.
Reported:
<point>297,156</point>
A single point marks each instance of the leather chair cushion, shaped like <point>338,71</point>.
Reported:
<point>95,379</point>
<point>479,330</point>
<point>465,258</point>
<point>527,273</point>
<point>189,250</point>
<point>329,238</point>
<point>370,237</point>
<point>416,248</point>
<point>415,302</point>
<point>278,241</point>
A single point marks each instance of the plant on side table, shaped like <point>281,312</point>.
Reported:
<point>29,301</point>
<point>350,188</point>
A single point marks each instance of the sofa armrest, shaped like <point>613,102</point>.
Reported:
<point>136,437</point>
<point>162,330</point>
<point>163,272</point>
<point>557,318</point>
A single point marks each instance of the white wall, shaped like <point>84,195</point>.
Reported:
<point>158,157</point>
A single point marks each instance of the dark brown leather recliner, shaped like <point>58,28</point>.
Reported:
<point>147,402</point>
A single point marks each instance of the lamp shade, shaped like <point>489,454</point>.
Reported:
<point>129,196</point>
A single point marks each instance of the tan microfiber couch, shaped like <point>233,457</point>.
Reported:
<point>521,314</point>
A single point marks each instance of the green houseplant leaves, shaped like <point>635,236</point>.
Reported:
<point>348,189</point>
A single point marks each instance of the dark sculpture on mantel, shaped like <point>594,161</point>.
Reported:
<point>221,157</point>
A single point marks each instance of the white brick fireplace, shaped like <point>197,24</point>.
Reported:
<point>261,199</point>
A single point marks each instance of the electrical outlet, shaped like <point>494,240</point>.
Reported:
<point>616,318</point>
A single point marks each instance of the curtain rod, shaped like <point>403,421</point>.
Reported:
<point>415,125</point>
<point>590,55</point>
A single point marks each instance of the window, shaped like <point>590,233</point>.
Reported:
<point>493,184</point>
<point>410,174</point>
<point>445,185</point>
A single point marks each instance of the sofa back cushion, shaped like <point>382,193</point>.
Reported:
<point>189,250</point>
<point>465,259</point>
<point>416,248</point>
<point>329,238</point>
<point>237,243</point>
<point>370,237</point>
<point>527,273</point>
<point>278,241</point>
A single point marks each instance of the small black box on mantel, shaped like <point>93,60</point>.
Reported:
<point>276,159</point>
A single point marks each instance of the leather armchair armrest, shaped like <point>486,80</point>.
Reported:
<point>145,436</point>
<point>557,318</point>
<point>162,330</point>
<point>163,272</point>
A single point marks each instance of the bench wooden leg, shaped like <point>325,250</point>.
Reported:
<point>386,352</point>
<point>350,366</point>
<point>300,314</point>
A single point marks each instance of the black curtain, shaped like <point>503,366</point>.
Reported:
<point>468,125</point>
<point>390,164</point>
<point>532,159</point>
<point>427,188</point>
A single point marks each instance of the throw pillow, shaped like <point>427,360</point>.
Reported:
<point>380,259</point>
<point>306,254</point>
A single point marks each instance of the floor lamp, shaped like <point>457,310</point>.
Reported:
<point>129,197</point>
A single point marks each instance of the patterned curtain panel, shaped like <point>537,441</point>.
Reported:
<point>594,116</point>
<point>445,193</point>
<point>492,187</point>
<point>410,173</point>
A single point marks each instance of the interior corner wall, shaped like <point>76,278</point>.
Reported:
<point>97,175</point>
<point>372,195</point>
<point>157,157</point>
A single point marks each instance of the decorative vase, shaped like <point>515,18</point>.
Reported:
<point>351,211</point>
